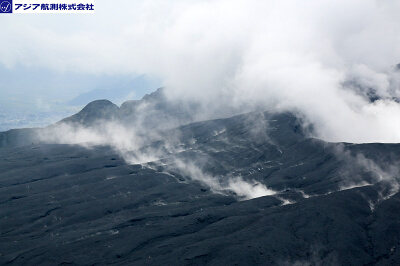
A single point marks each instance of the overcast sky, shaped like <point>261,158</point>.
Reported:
<point>292,55</point>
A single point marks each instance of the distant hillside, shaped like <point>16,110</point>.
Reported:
<point>153,111</point>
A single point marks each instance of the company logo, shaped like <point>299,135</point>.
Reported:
<point>5,6</point>
<point>39,6</point>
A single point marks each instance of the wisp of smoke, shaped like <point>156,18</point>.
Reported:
<point>385,176</point>
<point>242,188</point>
<point>107,133</point>
<point>128,141</point>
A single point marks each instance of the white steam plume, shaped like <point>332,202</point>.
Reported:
<point>242,188</point>
<point>311,56</point>
<point>128,141</point>
<point>385,176</point>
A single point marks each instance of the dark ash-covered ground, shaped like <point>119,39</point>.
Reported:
<point>335,204</point>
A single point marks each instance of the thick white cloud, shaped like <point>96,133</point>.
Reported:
<point>285,54</point>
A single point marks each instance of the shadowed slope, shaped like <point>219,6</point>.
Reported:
<point>67,204</point>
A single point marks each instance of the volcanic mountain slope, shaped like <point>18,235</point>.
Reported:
<point>325,203</point>
<point>153,112</point>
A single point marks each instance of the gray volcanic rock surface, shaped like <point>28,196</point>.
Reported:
<point>334,203</point>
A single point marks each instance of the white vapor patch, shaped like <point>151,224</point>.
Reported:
<point>125,140</point>
<point>109,133</point>
<point>389,179</point>
<point>318,255</point>
<point>351,185</point>
<point>242,188</point>
<point>385,178</point>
